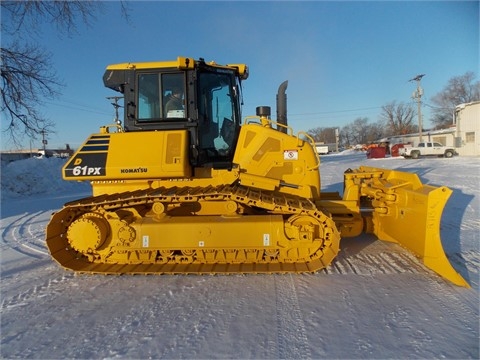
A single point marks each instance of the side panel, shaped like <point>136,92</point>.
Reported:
<point>270,159</point>
<point>134,155</point>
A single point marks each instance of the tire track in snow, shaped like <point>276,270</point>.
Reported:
<point>26,235</point>
<point>375,263</point>
<point>40,290</point>
<point>292,335</point>
<point>395,262</point>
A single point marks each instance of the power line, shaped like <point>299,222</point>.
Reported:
<point>79,108</point>
<point>436,107</point>
<point>74,102</point>
<point>337,111</point>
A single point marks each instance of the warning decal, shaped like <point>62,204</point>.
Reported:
<point>290,155</point>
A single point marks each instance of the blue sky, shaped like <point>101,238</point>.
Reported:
<point>343,60</point>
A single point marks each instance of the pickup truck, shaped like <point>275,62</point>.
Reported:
<point>427,149</point>
<point>322,149</point>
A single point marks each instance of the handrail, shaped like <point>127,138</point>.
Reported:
<point>312,143</point>
<point>247,119</point>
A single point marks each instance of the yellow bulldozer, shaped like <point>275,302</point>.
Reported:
<point>185,185</point>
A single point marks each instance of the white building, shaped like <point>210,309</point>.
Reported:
<point>467,135</point>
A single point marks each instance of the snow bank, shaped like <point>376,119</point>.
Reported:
<point>34,176</point>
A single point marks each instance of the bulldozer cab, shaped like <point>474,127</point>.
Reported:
<point>202,98</point>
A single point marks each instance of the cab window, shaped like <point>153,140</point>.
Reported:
<point>160,96</point>
<point>148,97</point>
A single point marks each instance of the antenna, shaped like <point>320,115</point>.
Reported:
<point>116,106</point>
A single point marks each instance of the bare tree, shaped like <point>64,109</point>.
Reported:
<point>27,76</point>
<point>399,118</point>
<point>376,131</point>
<point>355,132</point>
<point>345,136</point>
<point>27,79</point>
<point>360,131</point>
<point>26,16</point>
<point>322,134</point>
<point>459,90</point>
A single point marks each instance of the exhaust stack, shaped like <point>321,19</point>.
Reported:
<point>282,106</point>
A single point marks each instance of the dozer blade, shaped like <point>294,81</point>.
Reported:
<point>409,213</point>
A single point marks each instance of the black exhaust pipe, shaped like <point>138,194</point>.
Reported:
<point>282,106</point>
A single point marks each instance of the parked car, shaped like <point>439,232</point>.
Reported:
<point>427,149</point>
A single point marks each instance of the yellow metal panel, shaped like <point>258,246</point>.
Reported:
<point>180,63</point>
<point>153,154</point>
<point>242,70</point>
<point>131,155</point>
<point>213,232</point>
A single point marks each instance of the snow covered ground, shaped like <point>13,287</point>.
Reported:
<point>375,301</point>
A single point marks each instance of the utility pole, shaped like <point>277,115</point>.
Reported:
<point>336,140</point>
<point>417,95</point>
<point>44,141</point>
